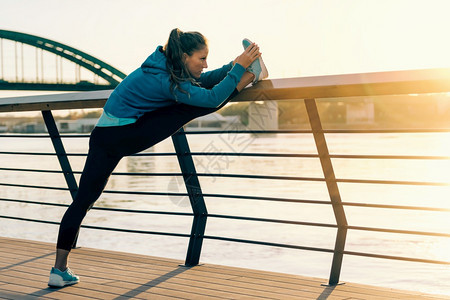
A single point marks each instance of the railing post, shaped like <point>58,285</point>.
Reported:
<point>61,153</point>
<point>195,197</point>
<point>333,190</point>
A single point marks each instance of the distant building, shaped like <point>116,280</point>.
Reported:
<point>30,127</point>
<point>361,112</point>
<point>213,121</point>
<point>263,115</point>
<point>76,126</point>
<point>87,124</point>
<point>67,126</point>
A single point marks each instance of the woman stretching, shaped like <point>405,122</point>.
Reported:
<point>148,106</point>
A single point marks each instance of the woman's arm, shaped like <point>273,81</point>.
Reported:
<point>211,78</point>
<point>200,96</point>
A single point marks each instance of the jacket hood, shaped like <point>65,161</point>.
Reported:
<point>155,63</point>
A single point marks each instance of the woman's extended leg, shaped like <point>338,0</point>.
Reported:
<point>158,125</point>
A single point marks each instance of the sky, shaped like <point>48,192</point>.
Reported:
<point>296,37</point>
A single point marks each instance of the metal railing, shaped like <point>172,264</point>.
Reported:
<point>309,89</point>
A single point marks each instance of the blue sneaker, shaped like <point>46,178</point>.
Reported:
<point>258,68</point>
<point>60,279</point>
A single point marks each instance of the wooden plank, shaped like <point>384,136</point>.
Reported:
<point>289,280</point>
<point>13,291</point>
<point>26,286</point>
<point>122,275</point>
<point>239,291</point>
<point>41,288</point>
<point>93,283</point>
<point>195,284</point>
<point>125,257</point>
<point>84,259</point>
<point>271,278</point>
<point>102,291</point>
<point>203,276</point>
<point>242,289</point>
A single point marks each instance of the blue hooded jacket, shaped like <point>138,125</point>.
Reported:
<point>148,88</point>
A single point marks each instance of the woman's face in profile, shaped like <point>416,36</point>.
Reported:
<point>196,62</point>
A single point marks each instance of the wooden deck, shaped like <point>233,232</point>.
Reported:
<point>25,266</point>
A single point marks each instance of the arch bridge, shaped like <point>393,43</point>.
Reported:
<point>29,62</point>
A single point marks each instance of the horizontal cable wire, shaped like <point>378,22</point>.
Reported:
<point>24,136</point>
<point>397,231</point>
<point>81,154</point>
<point>100,208</point>
<point>396,157</point>
<point>299,131</point>
<point>294,155</point>
<point>424,208</point>
<point>346,156</point>
<point>305,131</point>
<point>100,227</point>
<point>171,194</point>
<point>34,186</point>
<point>280,245</point>
<point>253,154</point>
<point>105,191</point>
<point>145,193</point>
<point>227,239</point>
<point>395,182</point>
<point>245,197</point>
<point>412,259</point>
<point>244,218</point>
<point>421,208</point>
<point>28,153</point>
<point>32,170</point>
<point>272,220</point>
<point>75,135</point>
<point>405,130</point>
<point>79,172</point>
<point>326,250</point>
<point>272,177</point>
<point>439,234</point>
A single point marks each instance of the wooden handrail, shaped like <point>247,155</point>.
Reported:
<point>330,86</point>
<point>94,99</point>
<point>350,85</point>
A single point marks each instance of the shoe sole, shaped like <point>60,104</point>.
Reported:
<point>56,281</point>
<point>264,72</point>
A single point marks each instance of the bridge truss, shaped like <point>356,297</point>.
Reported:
<point>21,69</point>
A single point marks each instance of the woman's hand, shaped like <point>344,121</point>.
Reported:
<point>248,56</point>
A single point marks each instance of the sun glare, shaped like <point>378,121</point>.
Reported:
<point>440,250</point>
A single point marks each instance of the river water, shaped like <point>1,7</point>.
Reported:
<point>424,277</point>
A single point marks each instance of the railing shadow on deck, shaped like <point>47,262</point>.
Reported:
<point>307,88</point>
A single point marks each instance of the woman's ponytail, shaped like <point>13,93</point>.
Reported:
<point>179,43</point>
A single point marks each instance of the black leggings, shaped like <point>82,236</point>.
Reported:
<point>107,146</point>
